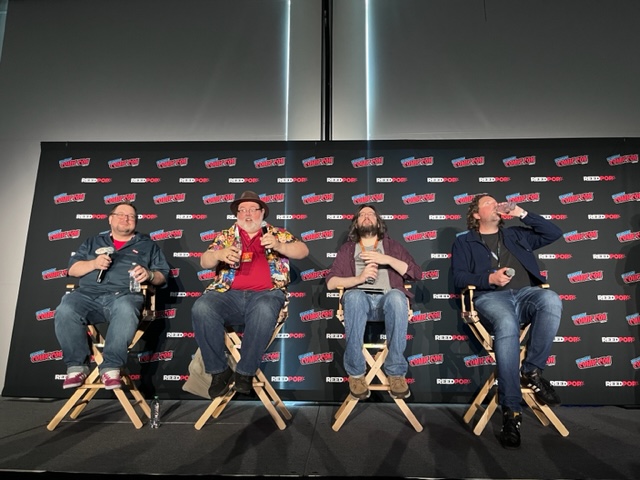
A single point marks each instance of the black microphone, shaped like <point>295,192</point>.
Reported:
<point>265,230</point>
<point>509,272</point>
<point>103,251</point>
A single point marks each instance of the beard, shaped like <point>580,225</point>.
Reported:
<point>367,230</point>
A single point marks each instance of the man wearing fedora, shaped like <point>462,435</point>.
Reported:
<point>251,263</point>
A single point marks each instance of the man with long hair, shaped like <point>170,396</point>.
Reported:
<point>373,269</point>
<point>501,264</point>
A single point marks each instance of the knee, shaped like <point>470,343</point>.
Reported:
<point>354,298</point>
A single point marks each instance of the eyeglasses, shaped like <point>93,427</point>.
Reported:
<point>248,210</point>
<point>366,214</point>
<point>124,215</point>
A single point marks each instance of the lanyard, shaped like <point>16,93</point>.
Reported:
<point>495,254</point>
<point>375,245</point>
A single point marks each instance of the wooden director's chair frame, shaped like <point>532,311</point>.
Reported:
<point>92,384</point>
<point>542,412</point>
<point>261,385</point>
<point>374,373</point>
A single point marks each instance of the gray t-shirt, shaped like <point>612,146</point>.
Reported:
<point>381,284</point>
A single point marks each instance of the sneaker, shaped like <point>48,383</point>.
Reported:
<point>510,433</point>
<point>243,383</point>
<point>220,383</point>
<point>358,387</point>
<point>74,379</point>
<point>542,389</point>
<point>111,379</point>
<point>399,387</point>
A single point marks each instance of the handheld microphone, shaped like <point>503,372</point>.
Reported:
<point>265,230</point>
<point>509,272</point>
<point>103,251</point>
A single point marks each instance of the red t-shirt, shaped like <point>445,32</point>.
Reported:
<point>254,272</point>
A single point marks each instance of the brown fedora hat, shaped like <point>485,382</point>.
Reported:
<point>249,196</point>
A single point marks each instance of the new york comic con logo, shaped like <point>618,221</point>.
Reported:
<point>420,317</point>
<point>472,361</point>
<point>567,161</point>
<point>618,159</point>
<point>413,198</point>
<point>630,277</point>
<point>269,162</point>
<point>624,197</point>
<point>575,236</point>
<point>569,198</point>
<point>313,358</point>
<point>123,163</point>
<point>220,162</point>
<point>580,276</point>
<point>165,235</point>
<point>421,360</point>
<point>411,162</point>
<point>627,236</point>
<point>165,198</point>
<point>312,162</point>
<point>151,357</point>
<point>415,236</point>
<point>68,198</point>
<point>114,198</point>
<point>74,162</point>
<point>633,319</point>
<point>312,235</point>
<point>172,162</point>
<point>588,362</point>
<point>52,273</point>
<point>363,198</point>
<point>42,356</point>
<point>312,198</point>
<point>363,162</point>
<point>45,314</point>
<point>215,198</point>
<point>585,318</point>
<point>514,161</point>
<point>312,315</point>
<point>463,162</point>
<point>63,235</point>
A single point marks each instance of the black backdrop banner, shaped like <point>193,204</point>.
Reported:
<point>588,187</point>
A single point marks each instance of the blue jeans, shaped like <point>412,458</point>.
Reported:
<point>257,312</point>
<point>76,310</point>
<point>391,308</point>
<point>503,312</point>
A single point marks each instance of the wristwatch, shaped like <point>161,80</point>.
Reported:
<point>523,214</point>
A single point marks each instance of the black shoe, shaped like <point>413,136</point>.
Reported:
<point>510,433</point>
<point>220,383</point>
<point>542,389</point>
<point>244,383</point>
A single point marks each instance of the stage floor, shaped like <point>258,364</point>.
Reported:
<point>376,440</point>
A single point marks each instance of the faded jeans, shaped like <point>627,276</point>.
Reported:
<point>502,312</point>
<point>256,312</point>
<point>391,308</point>
<point>76,310</point>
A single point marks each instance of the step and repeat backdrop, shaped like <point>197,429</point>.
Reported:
<point>588,187</point>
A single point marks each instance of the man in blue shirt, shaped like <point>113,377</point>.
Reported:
<point>103,264</point>
<point>500,262</point>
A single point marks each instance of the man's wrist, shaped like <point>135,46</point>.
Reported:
<point>151,275</point>
<point>523,214</point>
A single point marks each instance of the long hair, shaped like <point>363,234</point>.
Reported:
<point>472,222</point>
<point>353,234</point>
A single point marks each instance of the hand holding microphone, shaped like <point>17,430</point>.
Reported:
<point>108,251</point>
<point>509,272</point>
<point>265,231</point>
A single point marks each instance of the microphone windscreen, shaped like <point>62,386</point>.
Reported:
<point>509,272</point>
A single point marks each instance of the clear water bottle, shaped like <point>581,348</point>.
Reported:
<point>155,413</point>
<point>134,285</point>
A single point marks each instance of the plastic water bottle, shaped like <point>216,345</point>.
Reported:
<point>155,413</point>
<point>134,285</point>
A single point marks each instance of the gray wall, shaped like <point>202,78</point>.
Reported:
<point>195,70</point>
